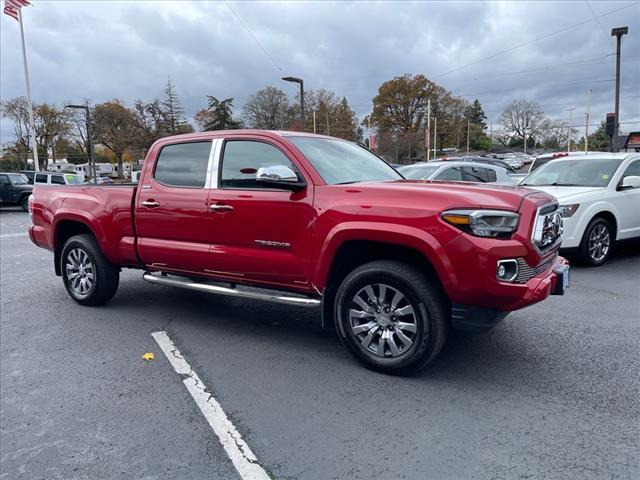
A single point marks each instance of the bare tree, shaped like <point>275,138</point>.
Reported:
<point>267,109</point>
<point>522,118</point>
<point>17,110</point>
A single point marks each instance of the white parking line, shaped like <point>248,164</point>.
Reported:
<point>12,235</point>
<point>237,449</point>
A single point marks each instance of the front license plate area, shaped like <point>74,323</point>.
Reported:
<point>562,280</point>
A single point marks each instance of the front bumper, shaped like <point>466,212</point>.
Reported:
<point>474,273</point>
<point>477,319</point>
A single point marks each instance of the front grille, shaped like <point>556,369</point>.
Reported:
<point>527,272</point>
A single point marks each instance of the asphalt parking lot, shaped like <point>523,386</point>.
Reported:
<point>553,392</point>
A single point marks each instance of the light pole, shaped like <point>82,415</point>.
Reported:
<point>301,83</point>
<point>618,33</point>
<point>92,165</point>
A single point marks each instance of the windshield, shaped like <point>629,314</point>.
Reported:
<point>421,172</point>
<point>18,179</point>
<point>341,162</point>
<point>574,173</point>
<point>73,179</point>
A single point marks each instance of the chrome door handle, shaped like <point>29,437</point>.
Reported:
<point>151,203</point>
<point>220,208</point>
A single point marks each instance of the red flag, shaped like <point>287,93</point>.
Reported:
<point>12,7</point>
<point>373,141</point>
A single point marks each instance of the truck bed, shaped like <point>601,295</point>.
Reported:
<point>106,209</point>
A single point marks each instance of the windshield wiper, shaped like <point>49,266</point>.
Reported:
<point>554,184</point>
<point>348,183</point>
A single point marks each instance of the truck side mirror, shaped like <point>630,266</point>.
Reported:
<point>280,176</point>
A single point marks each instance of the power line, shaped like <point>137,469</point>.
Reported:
<point>581,63</point>
<point>598,20</point>
<point>246,27</point>
<point>524,44</point>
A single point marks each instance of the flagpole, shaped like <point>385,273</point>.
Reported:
<point>34,144</point>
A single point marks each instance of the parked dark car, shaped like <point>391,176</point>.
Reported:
<point>15,190</point>
<point>29,174</point>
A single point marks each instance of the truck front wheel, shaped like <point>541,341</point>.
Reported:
<point>88,276</point>
<point>391,317</point>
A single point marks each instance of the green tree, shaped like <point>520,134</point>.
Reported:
<point>344,123</point>
<point>172,111</point>
<point>400,109</point>
<point>475,114</point>
<point>599,140</point>
<point>219,115</point>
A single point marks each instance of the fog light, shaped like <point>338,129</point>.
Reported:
<point>507,270</point>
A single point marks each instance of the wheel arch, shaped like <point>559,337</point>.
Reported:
<point>63,230</point>
<point>609,217</point>
<point>350,249</point>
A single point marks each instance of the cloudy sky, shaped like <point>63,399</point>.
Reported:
<point>550,52</point>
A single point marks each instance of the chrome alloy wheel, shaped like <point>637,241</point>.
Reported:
<point>599,243</point>
<point>383,320</point>
<point>80,271</point>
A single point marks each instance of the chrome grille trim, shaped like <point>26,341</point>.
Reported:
<point>541,214</point>
<point>527,272</point>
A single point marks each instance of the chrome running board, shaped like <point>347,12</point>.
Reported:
<point>232,292</point>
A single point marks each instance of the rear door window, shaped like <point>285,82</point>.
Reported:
<point>58,180</point>
<point>183,164</point>
<point>450,174</point>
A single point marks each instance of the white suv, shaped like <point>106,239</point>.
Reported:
<point>599,196</point>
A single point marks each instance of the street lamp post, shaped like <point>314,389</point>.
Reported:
<point>92,165</point>
<point>618,33</point>
<point>300,82</point>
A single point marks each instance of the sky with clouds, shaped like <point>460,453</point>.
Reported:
<point>548,51</point>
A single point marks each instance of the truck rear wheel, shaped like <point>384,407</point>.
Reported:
<point>391,317</point>
<point>88,276</point>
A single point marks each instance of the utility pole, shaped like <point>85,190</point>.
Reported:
<point>586,122</point>
<point>327,114</point>
<point>435,136</point>
<point>570,110</point>
<point>524,131</point>
<point>468,126</point>
<point>428,135</point>
<point>300,82</point>
<point>314,121</point>
<point>618,33</point>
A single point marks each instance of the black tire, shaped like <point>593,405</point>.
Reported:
<point>430,316</point>
<point>104,275</point>
<point>24,203</point>
<point>594,257</point>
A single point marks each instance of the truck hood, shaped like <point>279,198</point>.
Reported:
<point>566,195</point>
<point>440,195</point>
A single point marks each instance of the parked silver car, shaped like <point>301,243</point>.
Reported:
<point>457,171</point>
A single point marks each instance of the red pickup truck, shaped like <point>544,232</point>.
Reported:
<point>312,221</point>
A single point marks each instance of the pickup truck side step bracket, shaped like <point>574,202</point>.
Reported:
<point>232,292</point>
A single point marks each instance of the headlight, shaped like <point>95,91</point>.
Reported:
<point>483,223</point>
<point>568,210</point>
